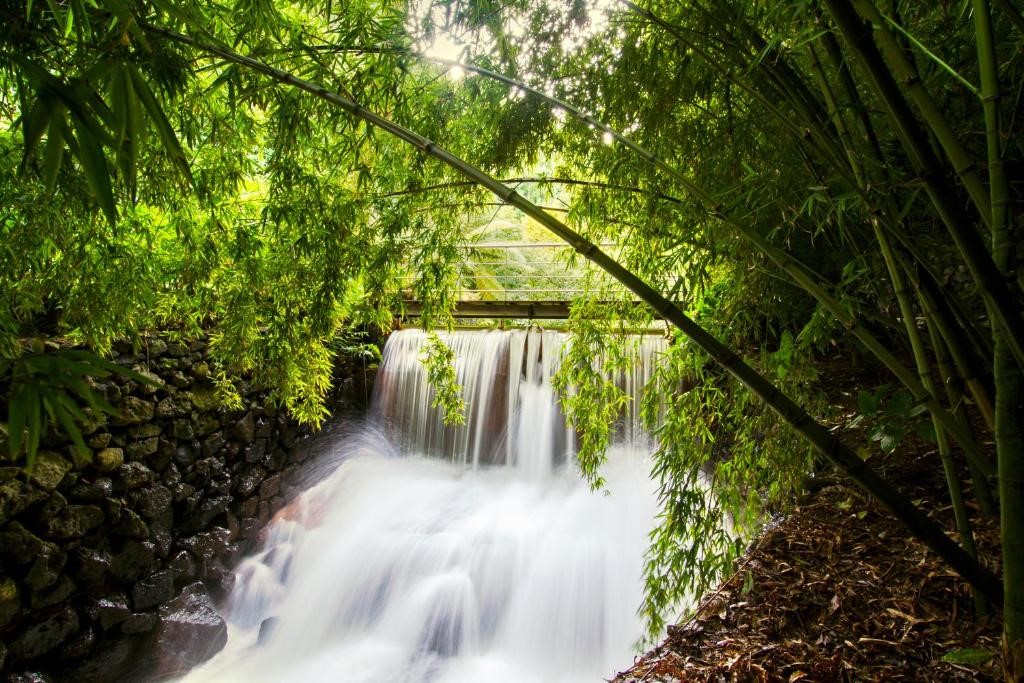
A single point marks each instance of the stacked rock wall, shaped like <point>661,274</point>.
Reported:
<point>110,570</point>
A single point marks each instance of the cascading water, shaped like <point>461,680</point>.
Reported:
<point>455,555</point>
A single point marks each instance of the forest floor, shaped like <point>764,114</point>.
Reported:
<point>836,591</point>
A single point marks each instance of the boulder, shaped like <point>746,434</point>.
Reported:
<point>49,469</point>
<point>15,496</point>
<point>244,430</point>
<point>132,475</point>
<point>94,491</point>
<point>137,450</point>
<point>90,566</point>
<point>110,611</point>
<point>100,440</point>
<point>18,545</point>
<point>189,633</point>
<point>134,410</point>
<point>47,567</point>
<point>44,635</point>
<point>134,560</point>
<point>175,405</point>
<point>108,459</point>
<point>74,522</point>
<point>153,590</point>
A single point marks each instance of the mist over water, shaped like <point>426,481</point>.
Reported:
<point>452,555</point>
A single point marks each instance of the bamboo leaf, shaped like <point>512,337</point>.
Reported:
<point>968,655</point>
<point>163,126</point>
<point>94,164</point>
<point>57,409</point>
<point>125,16</point>
<point>54,153</point>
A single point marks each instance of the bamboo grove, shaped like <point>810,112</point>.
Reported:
<point>822,176</point>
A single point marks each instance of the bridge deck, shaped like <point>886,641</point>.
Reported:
<point>527,310</point>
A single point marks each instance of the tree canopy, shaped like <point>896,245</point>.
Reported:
<point>791,177</point>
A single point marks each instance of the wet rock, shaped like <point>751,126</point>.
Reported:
<point>186,453</point>
<point>137,450</point>
<point>99,441</point>
<point>110,611</point>
<point>270,487</point>
<point>134,560</point>
<point>50,468</point>
<point>10,601</point>
<point>190,631</point>
<point>164,454</point>
<point>143,622</point>
<point>208,546</point>
<point>54,505</point>
<point>80,645</point>
<point>175,405</point>
<point>155,347</point>
<point>18,545</point>
<point>90,566</point>
<point>108,459</point>
<point>177,349</point>
<point>154,383</point>
<point>93,491</point>
<point>144,431</point>
<point>251,507</point>
<point>44,635</point>
<point>29,677</point>
<point>108,663</point>
<point>250,481</point>
<point>183,566</point>
<point>132,475</point>
<point>153,590</point>
<point>154,504</point>
<point>15,496</point>
<point>182,429</point>
<point>231,450</point>
<point>74,522</point>
<point>55,595</point>
<point>256,451</point>
<point>264,428</point>
<point>132,526</point>
<point>207,511</point>
<point>267,628</point>
<point>178,379</point>
<point>204,424</point>
<point>47,567</point>
<point>134,411</point>
<point>212,444</point>
<point>244,431</point>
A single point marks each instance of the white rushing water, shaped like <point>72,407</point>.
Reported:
<point>451,555</point>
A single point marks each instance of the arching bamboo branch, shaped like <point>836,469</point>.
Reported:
<point>918,523</point>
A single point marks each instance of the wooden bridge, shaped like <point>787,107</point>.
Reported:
<point>527,289</point>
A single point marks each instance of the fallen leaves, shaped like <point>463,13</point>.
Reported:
<point>826,597</point>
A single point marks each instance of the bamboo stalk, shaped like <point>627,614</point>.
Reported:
<point>954,394</point>
<point>956,496</point>
<point>961,160</point>
<point>1008,376</point>
<point>994,290</point>
<point>918,523</point>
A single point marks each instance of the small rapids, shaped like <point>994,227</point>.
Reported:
<point>451,555</point>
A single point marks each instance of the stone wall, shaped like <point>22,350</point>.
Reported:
<point>111,570</point>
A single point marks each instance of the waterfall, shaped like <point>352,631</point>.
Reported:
<point>453,554</point>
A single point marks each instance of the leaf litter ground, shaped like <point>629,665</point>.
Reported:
<point>837,591</point>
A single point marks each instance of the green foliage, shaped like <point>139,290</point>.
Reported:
<point>439,361</point>
<point>893,416</point>
<point>47,388</point>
